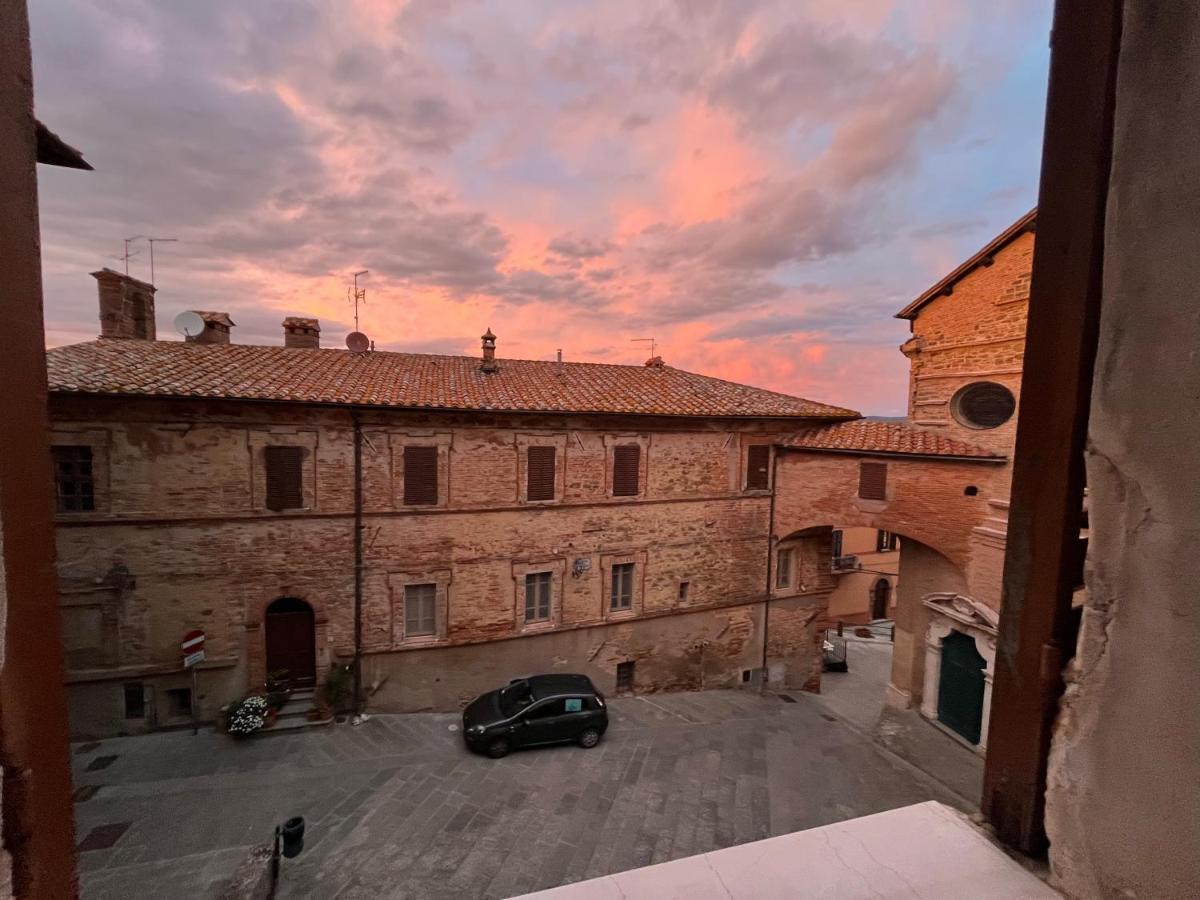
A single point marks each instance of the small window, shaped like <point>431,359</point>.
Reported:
<point>684,589</point>
<point>837,543</point>
<point>627,460</point>
<point>135,700</point>
<point>420,476</point>
<point>621,597</point>
<point>547,710</point>
<point>872,481</point>
<point>420,610</point>
<point>758,471</point>
<point>625,676</point>
<point>73,479</point>
<point>285,479</point>
<point>179,703</point>
<point>783,567</point>
<point>538,586</point>
<point>539,473</point>
<point>885,541</point>
<point>574,705</point>
<point>746,675</point>
<point>983,404</point>
<point>970,491</point>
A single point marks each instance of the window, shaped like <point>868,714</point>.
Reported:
<point>539,473</point>
<point>758,472</point>
<point>179,703</point>
<point>872,481</point>
<point>625,676</point>
<point>684,590</point>
<point>547,710</point>
<point>622,587</point>
<point>783,567</point>
<point>884,541</point>
<point>135,700</point>
<point>983,404</point>
<point>627,460</point>
<point>538,586</point>
<point>837,543</point>
<point>73,479</point>
<point>285,478</point>
<point>419,610</point>
<point>420,476</point>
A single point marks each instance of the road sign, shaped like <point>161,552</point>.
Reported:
<point>192,658</point>
<point>193,642</point>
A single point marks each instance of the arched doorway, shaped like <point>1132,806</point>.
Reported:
<point>881,599</point>
<point>960,686</point>
<point>291,640</point>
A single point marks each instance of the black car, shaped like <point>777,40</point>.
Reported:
<point>540,709</point>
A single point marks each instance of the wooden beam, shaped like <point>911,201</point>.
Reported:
<point>1036,635</point>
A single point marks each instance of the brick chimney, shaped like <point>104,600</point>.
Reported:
<point>216,328</point>
<point>655,362</point>
<point>489,353</point>
<point>126,306</point>
<point>301,333</point>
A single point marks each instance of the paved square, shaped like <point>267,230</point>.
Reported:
<point>398,808</point>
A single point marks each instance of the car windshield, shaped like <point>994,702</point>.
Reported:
<point>515,698</point>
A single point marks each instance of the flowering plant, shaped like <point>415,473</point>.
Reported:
<point>248,716</point>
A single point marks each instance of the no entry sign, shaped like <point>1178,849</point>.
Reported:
<point>192,646</point>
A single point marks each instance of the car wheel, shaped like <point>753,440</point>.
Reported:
<point>589,738</point>
<point>498,748</point>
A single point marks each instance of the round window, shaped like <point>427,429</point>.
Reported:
<point>984,404</point>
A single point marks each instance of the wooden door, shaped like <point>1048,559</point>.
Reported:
<point>960,687</point>
<point>291,641</point>
<point>880,598</point>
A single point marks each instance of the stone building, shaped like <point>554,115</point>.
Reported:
<point>940,481</point>
<point>513,516</point>
<point>866,562</point>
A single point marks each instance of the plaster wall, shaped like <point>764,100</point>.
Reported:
<point>1122,809</point>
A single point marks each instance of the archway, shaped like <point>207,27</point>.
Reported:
<point>881,598</point>
<point>290,629</point>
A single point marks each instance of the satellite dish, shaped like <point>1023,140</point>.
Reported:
<point>358,342</point>
<point>189,324</point>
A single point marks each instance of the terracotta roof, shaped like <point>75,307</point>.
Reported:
<point>221,318</point>
<point>864,436</point>
<point>1027,222</point>
<point>406,380</point>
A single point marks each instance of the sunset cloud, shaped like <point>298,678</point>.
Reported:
<point>757,185</point>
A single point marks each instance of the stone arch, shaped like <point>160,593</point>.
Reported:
<point>256,637</point>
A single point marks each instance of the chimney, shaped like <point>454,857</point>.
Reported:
<point>216,328</point>
<point>301,333</point>
<point>126,306</point>
<point>655,362</point>
<point>489,353</point>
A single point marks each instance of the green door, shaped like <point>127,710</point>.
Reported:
<point>960,688</point>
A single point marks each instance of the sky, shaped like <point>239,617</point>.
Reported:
<point>757,186</point>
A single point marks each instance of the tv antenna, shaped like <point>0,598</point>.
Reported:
<point>356,296</point>
<point>649,341</point>
<point>126,256</point>
<point>154,241</point>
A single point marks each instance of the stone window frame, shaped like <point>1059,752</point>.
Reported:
<point>611,442</point>
<point>522,444</point>
<point>425,437</point>
<point>397,581</point>
<point>788,584</point>
<point>743,464</point>
<point>99,441</point>
<point>259,439</point>
<point>557,567</point>
<point>637,604</point>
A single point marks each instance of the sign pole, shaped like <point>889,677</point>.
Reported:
<point>192,646</point>
<point>195,704</point>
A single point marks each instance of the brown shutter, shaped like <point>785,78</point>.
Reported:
<point>420,476</point>
<point>872,481</point>
<point>539,473</point>
<point>626,469</point>
<point>758,461</point>
<point>285,477</point>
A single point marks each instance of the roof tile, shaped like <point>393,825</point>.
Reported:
<point>889,438</point>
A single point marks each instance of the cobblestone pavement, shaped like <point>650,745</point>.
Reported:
<point>398,808</point>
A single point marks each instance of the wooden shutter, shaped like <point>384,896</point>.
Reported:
<point>872,481</point>
<point>285,477</point>
<point>758,461</point>
<point>626,469</point>
<point>420,476</point>
<point>539,471</point>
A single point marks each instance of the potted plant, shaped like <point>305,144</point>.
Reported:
<point>246,716</point>
<point>278,689</point>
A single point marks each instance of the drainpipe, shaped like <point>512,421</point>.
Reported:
<point>358,563</point>
<point>762,685</point>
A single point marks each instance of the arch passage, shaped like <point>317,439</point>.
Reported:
<point>291,640</point>
<point>960,687</point>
